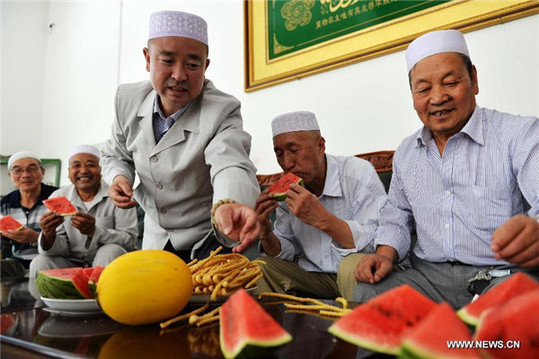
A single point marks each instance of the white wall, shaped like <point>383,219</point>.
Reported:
<point>96,45</point>
<point>24,47</point>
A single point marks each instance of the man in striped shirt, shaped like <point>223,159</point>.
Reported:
<point>467,183</point>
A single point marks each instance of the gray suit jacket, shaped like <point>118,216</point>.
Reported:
<point>204,157</point>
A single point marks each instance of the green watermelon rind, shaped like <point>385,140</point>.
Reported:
<point>411,350</point>
<point>51,291</point>
<point>467,317</point>
<point>253,348</point>
<point>367,344</point>
<point>59,288</point>
<point>56,288</point>
<point>408,351</point>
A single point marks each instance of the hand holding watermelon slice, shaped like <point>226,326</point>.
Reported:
<point>8,223</point>
<point>61,205</point>
<point>279,188</point>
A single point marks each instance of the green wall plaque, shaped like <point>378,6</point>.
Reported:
<point>298,24</point>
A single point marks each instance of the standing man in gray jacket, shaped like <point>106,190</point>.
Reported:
<point>185,141</point>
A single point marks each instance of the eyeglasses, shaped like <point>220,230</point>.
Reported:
<point>17,171</point>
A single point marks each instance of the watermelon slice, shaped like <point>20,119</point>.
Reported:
<point>518,283</point>
<point>65,283</point>
<point>429,338</point>
<point>60,205</point>
<point>381,323</point>
<point>245,327</point>
<point>93,279</point>
<point>8,223</point>
<point>513,323</point>
<point>279,188</point>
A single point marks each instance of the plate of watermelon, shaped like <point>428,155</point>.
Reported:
<point>69,290</point>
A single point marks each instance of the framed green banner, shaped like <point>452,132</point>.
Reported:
<point>290,39</point>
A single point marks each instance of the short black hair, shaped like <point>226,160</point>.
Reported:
<point>467,62</point>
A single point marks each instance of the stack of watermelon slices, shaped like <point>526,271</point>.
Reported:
<point>69,283</point>
<point>404,322</point>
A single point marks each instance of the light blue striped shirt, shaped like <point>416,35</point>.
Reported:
<point>352,192</point>
<point>489,172</point>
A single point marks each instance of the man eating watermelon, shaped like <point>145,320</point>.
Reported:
<point>334,216</point>
<point>97,233</point>
<point>25,205</point>
<point>467,182</point>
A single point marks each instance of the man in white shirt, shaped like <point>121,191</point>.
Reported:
<point>335,215</point>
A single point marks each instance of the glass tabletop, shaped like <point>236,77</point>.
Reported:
<point>29,328</point>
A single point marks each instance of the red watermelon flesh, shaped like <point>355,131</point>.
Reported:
<point>88,271</point>
<point>429,338</point>
<point>93,279</point>
<point>381,323</point>
<point>517,284</point>
<point>279,188</point>
<point>7,320</point>
<point>65,283</point>
<point>60,205</point>
<point>8,223</point>
<point>245,325</point>
<point>514,320</point>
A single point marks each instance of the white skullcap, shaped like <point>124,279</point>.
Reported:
<point>75,150</point>
<point>433,43</point>
<point>178,23</point>
<point>294,122</point>
<point>19,156</point>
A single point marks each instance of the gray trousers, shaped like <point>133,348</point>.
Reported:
<point>282,276</point>
<point>104,255</point>
<point>439,281</point>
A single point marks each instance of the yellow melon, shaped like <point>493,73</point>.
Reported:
<point>144,287</point>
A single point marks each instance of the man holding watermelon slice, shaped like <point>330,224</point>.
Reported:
<point>335,215</point>
<point>184,140</point>
<point>467,183</point>
<point>25,206</point>
<point>97,232</point>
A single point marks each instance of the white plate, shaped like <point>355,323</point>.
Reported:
<point>206,298</point>
<point>72,305</point>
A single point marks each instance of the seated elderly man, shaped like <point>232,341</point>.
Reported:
<point>335,215</point>
<point>467,182</point>
<point>25,205</point>
<point>98,233</point>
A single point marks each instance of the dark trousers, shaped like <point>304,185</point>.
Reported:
<point>211,243</point>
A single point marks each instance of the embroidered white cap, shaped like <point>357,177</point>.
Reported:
<point>75,150</point>
<point>433,43</point>
<point>294,122</point>
<point>19,156</point>
<point>178,23</point>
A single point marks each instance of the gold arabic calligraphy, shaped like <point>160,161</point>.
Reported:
<point>335,5</point>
